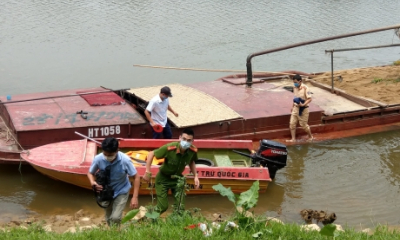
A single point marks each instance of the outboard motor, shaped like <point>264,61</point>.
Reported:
<point>271,154</point>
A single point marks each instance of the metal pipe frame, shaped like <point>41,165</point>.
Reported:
<point>354,49</point>
<point>362,48</point>
<point>248,60</point>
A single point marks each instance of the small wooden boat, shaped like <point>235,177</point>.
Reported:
<point>232,163</point>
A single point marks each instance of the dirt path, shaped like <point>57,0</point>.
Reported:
<point>379,83</point>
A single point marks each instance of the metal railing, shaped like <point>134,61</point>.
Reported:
<point>248,60</point>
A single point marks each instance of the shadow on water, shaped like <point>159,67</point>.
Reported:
<point>32,192</point>
<point>390,155</point>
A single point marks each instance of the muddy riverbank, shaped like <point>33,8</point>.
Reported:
<point>83,220</point>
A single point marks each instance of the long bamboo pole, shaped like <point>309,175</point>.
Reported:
<point>206,70</point>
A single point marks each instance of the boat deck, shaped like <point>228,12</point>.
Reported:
<point>31,120</point>
<point>262,100</point>
<point>229,99</point>
<point>331,103</point>
<point>57,110</point>
<point>263,111</point>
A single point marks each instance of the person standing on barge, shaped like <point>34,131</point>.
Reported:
<point>299,111</point>
<point>156,113</point>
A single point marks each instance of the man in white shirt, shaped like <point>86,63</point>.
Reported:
<point>156,113</point>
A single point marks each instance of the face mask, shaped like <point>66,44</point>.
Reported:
<point>163,97</point>
<point>110,158</point>
<point>185,144</point>
<point>296,85</point>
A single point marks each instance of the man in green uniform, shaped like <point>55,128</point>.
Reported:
<point>177,155</point>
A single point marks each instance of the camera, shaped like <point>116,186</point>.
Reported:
<point>104,197</point>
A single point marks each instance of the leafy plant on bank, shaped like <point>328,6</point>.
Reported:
<point>180,194</point>
<point>151,210</point>
<point>178,208</point>
<point>131,214</point>
<point>245,201</point>
<point>179,213</point>
<point>329,230</point>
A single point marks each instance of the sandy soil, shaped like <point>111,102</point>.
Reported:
<point>378,83</point>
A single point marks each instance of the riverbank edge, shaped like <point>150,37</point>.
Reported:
<point>81,226</point>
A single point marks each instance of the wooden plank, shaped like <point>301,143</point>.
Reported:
<point>387,110</point>
<point>358,100</point>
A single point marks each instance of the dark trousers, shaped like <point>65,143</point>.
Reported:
<point>163,184</point>
<point>167,133</point>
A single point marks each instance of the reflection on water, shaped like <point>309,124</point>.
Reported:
<point>390,155</point>
<point>295,170</point>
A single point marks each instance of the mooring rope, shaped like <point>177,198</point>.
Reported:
<point>9,136</point>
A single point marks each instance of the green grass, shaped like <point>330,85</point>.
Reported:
<point>174,228</point>
<point>379,80</point>
<point>396,63</point>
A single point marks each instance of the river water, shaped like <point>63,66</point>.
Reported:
<point>52,45</point>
